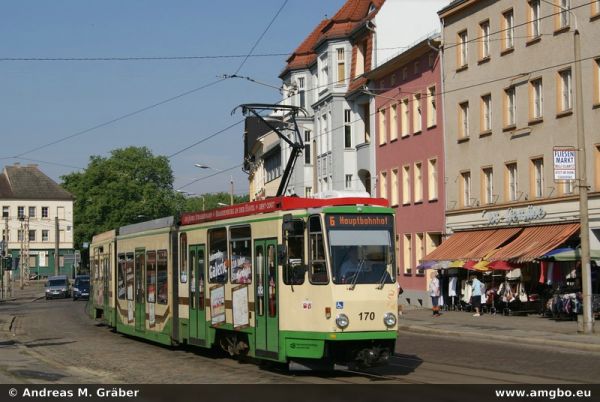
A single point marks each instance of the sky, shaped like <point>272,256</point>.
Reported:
<point>166,105</point>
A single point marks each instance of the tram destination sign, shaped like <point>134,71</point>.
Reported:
<point>564,163</point>
<point>358,221</point>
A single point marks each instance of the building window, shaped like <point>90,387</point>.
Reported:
<point>432,181</point>
<point>534,18</point>
<point>484,46</point>
<point>393,80</point>
<point>536,99</point>
<point>416,68</point>
<point>404,73</point>
<point>595,8</point>
<point>323,71</point>
<point>307,153</point>
<point>463,120</point>
<point>394,200</point>
<point>31,235</point>
<point>382,127</point>
<point>597,81</point>
<point>465,189</point>
<point>361,51</point>
<point>394,122</point>
<point>462,56</point>
<point>567,187</point>
<point>417,114</point>
<point>44,212</point>
<point>406,186</point>
<point>565,98</point>
<point>508,30</point>
<point>486,113</point>
<point>510,107</point>
<point>5,211</point>
<point>418,182</point>
<point>347,128</point>
<point>383,185</point>
<point>301,92</point>
<point>407,254</point>
<point>563,14</point>
<point>405,116</point>
<point>431,108</point>
<point>273,166</point>
<point>19,235</point>
<point>488,185</point>
<point>341,66</point>
<point>45,234</point>
<point>20,212</point>
<point>537,177</point>
<point>308,192</point>
<point>348,181</point>
<point>597,166</point>
<point>511,182</point>
<point>31,212</point>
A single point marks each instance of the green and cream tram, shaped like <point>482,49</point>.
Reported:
<point>309,282</point>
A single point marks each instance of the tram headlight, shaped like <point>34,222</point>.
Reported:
<point>389,319</point>
<point>342,321</point>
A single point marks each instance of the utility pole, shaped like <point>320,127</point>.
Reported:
<point>22,240</point>
<point>586,273</point>
<point>231,193</point>
<point>56,244</point>
<point>25,255</point>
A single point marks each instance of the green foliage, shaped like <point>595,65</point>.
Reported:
<point>210,201</point>
<point>132,185</point>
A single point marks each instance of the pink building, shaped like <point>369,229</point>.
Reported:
<point>409,154</point>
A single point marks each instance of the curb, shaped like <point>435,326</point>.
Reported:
<point>502,338</point>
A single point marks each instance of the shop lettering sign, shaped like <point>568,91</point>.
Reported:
<point>514,215</point>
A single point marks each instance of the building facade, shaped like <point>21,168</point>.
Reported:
<point>409,153</point>
<point>325,75</point>
<point>31,203</point>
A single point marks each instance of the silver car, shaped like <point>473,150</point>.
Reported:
<point>57,287</point>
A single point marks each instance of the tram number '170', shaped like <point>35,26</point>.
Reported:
<point>367,315</point>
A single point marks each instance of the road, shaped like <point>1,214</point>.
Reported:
<point>55,342</point>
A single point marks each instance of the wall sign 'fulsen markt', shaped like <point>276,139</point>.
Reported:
<point>564,164</point>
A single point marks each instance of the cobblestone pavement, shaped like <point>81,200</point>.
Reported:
<point>55,342</point>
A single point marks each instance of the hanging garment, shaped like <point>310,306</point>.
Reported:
<point>452,286</point>
<point>543,271</point>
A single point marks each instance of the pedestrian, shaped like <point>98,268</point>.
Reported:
<point>476,295</point>
<point>434,292</point>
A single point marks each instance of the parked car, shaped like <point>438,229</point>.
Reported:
<point>57,287</point>
<point>81,287</point>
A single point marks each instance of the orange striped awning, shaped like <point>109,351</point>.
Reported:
<point>534,242</point>
<point>473,244</point>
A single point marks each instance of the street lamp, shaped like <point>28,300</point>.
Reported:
<point>203,166</point>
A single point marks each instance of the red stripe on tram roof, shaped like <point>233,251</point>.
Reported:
<point>275,204</point>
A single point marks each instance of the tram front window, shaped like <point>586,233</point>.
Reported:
<point>361,256</point>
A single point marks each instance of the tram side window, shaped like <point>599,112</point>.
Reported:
<point>318,268</point>
<point>129,275</point>
<point>183,258</point>
<point>241,254</point>
<point>162,277</point>
<point>121,280</point>
<point>294,270</point>
<point>151,276</point>
<point>96,263</point>
<point>217,260</point>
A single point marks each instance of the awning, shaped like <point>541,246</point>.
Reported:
<point>471,245</point>
<point>569,254</point>
<point>534,242</point>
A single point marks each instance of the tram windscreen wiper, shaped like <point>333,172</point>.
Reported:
<point>383,278</point>
<point>361,263</point>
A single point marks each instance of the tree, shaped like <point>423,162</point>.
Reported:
<point>210,201</point>
<point>132,185</point>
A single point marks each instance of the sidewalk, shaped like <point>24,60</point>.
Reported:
<point>30,293</point>
<point>532,329</point>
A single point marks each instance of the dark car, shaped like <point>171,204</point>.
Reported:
<point>57,286</point>
<point>81,288</point>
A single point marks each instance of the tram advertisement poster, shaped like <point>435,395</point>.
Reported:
<point>217,305</point>
<point>240,307</point>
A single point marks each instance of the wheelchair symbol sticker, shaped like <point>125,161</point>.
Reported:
<point>339,305</point>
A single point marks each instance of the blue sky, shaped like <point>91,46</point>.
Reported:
<point>44,101</point>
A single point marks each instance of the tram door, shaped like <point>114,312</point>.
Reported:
<point>266,308</point>
<point>140,298</point>
<point>197,298</point>
<point>106,261</point>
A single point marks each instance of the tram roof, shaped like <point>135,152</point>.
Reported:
<point>275,204</point>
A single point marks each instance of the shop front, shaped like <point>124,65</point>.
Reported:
<point>529,264</point>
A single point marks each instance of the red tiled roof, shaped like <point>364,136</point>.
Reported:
<point>352,13</point>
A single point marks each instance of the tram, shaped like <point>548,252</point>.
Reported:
<point>306,282</point>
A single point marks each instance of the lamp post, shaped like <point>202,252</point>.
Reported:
<point>586,273</point>
<point>203,166</point>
